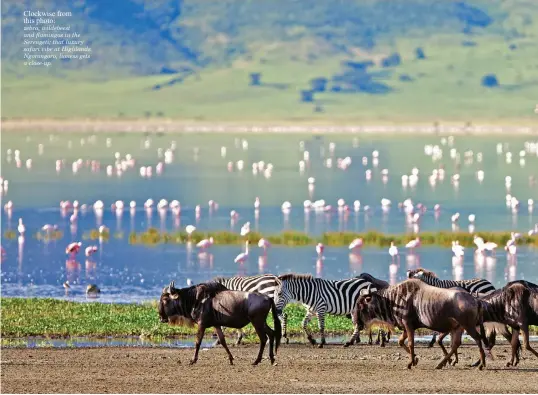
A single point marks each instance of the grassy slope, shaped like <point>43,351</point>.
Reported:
<point>445,86</point>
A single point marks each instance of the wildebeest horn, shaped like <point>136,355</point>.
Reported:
<point>363,292</point>
<point>171,286</point>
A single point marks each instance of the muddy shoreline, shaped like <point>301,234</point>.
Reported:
<point>299,369</point>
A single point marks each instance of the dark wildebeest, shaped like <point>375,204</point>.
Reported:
<point>516,305</point>
<point>213,305</point>
<point>382,337</point>
<point>476,287</point>
<point>413,304</point>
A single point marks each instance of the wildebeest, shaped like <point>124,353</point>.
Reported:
<point>414,304</point>
<point>265,284</point>
<point>476,287</point>
<point>213,305</point>
<point>382,336</point>
<point>516,305</point>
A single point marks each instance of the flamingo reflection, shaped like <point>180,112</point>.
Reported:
<point>355,263</point>
<point>393,274</point>
<point>205,259</point>
<point>91,267</point>
<point>262,263</point>
<point>73,270</point>
<point>319,267</point>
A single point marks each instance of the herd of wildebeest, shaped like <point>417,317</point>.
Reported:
<point>422,301</point>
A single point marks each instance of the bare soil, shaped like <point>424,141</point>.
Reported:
<point>299,369</point>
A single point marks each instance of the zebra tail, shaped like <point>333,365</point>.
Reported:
<point>278,325</point>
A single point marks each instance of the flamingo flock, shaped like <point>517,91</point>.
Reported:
<point>414,213</point>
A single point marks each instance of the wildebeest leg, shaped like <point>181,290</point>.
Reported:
<point>223,342</point>
<point>455,342</point>
<point>259,325</point>
<point>514,342</point>
<point>401,341</point>
<point>199,337</point>
<point>304,325</point>
<point>471,331</point>
<point>321,323</point>
<point>526,342</point>
<point>411,345</point>
<point>432,341</point>
<point>271,335</point>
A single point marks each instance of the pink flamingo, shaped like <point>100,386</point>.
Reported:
<point>319,249</point>
<point>413,244</point>
<point>73,248</point>
<point>263,243</point>
<point>241,258</point>
<point>356,244</point>
<point>90,250</point>
<point>206,243</point>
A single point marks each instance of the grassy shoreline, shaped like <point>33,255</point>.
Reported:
<point>22,317</point>
<point>154,237</point>
<point>53,318</point>
<point>334,239</point>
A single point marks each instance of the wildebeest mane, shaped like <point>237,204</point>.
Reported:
<point>375,281</point>
<point>209,290</point>
<point>295,276</point>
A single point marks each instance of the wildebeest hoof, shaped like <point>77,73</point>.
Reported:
<point>347,344</point>
<point>415,362</point>
<point>287,340</point>
<point>231,361</point>
<point>255,363</point>
<point>409,365</point>
<point>320,345</point>
<point>312,341</point>
<point>192,361</point>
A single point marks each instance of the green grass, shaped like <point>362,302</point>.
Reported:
<point>334,239</point>
<point>51,318</point>
<point>55,318</point>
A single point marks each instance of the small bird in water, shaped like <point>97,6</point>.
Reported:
<point>92,290</point>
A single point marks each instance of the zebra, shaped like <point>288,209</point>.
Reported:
<point>265,284</point>
<point>477,287</point>
<point>320,297</point>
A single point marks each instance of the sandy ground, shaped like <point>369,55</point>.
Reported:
<point>300,369</point>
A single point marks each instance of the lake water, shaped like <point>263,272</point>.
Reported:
<point>198,172</point>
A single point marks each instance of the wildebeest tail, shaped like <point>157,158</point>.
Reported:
<point>278,325</point>
<point>481,325</point>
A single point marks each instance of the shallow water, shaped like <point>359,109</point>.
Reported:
<point>198,173</point>
<point>184,342</point>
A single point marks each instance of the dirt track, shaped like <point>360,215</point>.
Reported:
<point>300,369</point>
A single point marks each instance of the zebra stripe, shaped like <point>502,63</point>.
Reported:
<point>265,284</point>
<point>320,297</point>
<point>476,286</point>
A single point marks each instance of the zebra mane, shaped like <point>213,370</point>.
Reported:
<point>420,269</point>
<point>295,276</point>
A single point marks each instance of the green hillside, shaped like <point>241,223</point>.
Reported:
<point>316,60</point>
